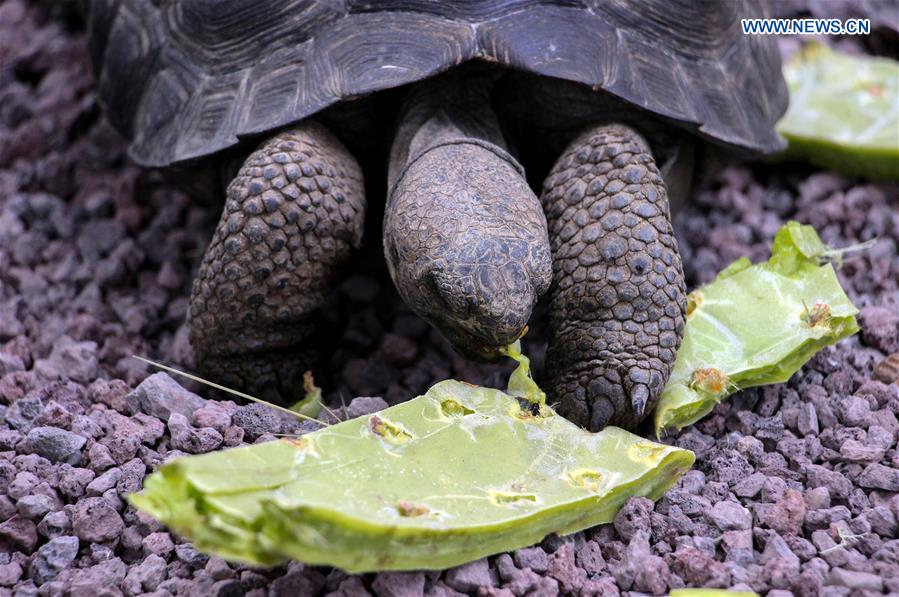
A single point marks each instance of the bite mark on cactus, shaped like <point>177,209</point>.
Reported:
<point>647,452</point>
<point>303,444</point>
<point>585,478</point>
<point>453,409</point>
<point>391,432</point>
<point>508,498</point>
<point>530,413</point>
<point>694,301</point>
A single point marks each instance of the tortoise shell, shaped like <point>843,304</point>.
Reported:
<point>184,79</point>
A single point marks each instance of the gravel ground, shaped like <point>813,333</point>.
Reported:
<point>796,486</point>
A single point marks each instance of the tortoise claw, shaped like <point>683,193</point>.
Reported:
<point>639,398</point>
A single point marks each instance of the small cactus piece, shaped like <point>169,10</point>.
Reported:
<point>448,477</point>
<point>844,112</point>
<point>754,326</point>
<point>311,404</point>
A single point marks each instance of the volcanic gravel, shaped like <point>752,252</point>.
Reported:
<point>795,488</point>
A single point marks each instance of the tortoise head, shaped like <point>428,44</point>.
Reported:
<point>482,294</point>
<point>467,246</point>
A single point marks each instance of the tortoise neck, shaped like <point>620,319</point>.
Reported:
<point>452,109</point>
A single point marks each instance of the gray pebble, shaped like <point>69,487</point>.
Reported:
<point>469,577</point>
<point>54,524</point>
<point>878,476</point>
<point>57,445</point>
<point>146,576</point>
<point>22,485</point>
<point>53,557</point>
<point>213,414</point>
<point>103,483</point>
<point>72,481</point>
<point>22,413</point>
<point>819,476</point>
<point>780,564</point>
<point>99,458</point>
<point>190,440</point>
<point>365,405</point>
<point>531,557</point>
<point>399,584</point>
<point>730,516</point>
<point>817,498</point>
<point>122,446</point>
<point>589,557</point>
<point>159,396</point>
<point>36,506</point>
<point>70,359</point>
<point>159,543</point>
<point>750,486</point>
<point>855,580</point>
<point>19,532</point>
<point>188,554</point>
<point>823,518</point>
<point>10,573</point>
<point>9,439</point>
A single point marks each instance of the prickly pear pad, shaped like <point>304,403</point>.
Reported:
<point>457,474</point>
<point>755,325</point>
<point>844,111</point>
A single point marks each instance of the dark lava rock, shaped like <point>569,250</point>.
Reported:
<point>634,517</point>
<point>880,328</point>
<point>19,532</point>
<point>399,584</point>
<point>398,351</point>
<point>467,578</point>
<point>95,521</point>
<point>532,557</point>
<point>257,419</point>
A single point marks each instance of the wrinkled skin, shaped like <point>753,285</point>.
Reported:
<point>469,246</point>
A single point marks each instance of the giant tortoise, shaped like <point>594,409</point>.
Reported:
<point>613,98</point>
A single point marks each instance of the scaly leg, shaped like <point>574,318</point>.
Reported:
<point>617,300</point>
<point>292,215</point>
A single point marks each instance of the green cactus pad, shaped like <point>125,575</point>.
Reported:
<point>457,474</point>
<point>755,325</point>
<point>844,112</point>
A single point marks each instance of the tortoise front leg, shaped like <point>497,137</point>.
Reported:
<point>292,215</point>
<point>617,300</point>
